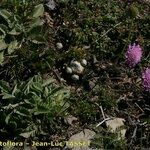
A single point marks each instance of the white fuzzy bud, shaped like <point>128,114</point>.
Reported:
<point>83,62</point>
<point>59,46</point>
<point>69,70</point>
<point>75,77</point>
<point>76,67</point>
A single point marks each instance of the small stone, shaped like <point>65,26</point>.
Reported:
<point>84,62</point>
<point>68,70</point>
<point>70,120</point>
<point>93,86</point>
<point>75,77</point>
<point>59,46</point>
<point>113,126</point>
<point>51,4</point>
<point>84,136</point>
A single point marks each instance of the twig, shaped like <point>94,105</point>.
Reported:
<point>104,118</point>
<point>102,122</point>
<point>139,107</point>
<point>134,134</point>
<point>110,29</point>
<point>102,113</point>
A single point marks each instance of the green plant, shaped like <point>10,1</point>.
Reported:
<point>20,25</point>
<point>105,140</point>
<point>26,105</point>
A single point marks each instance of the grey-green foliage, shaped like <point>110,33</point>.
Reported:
<point>16,28</point>
<point>24,106</point>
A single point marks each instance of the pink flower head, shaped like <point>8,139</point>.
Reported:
<point>146,79</point>
<point>133,55</point>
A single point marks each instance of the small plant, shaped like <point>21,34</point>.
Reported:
<point>19,26</point>
<point>24,106</point>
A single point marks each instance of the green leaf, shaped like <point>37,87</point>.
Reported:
<point>27,134</point>
<point>16,29</point>
<point>41,110</point>
<point>46,91</point>
<point>38,40</point>
<point>36,87</point>
<point>12,106</point>
<point>12,46</point>
<point>3,29</point>
<point>1,57</point>
<point>7,96</point>
<point>5,14</point>
<point>23,112</point>
<point>14,90</point>
<point>38,11</point>
<point>3,45</point>
<point>8,118</point>
<point>48,82</point>
<point>4,86</point>
<point>36,22</point>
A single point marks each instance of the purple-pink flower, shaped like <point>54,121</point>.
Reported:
<point>146,79</point>
<point>133,55</point>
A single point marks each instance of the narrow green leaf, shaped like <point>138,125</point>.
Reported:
<point>14,90</point>
<point>22,113</point>
<point>41,110</point>
<point>48,82</point>
<point>37,87</point>
<point>7,96</point>
<point>8,117</point>
<point>38,40</point>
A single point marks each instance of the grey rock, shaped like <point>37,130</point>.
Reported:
<point>51,4</point>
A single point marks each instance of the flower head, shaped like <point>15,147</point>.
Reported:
<point>146,79</point>
<point>133,55</point>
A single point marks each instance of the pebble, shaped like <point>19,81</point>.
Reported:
<point>59,46</point>
<point>51,4</point>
